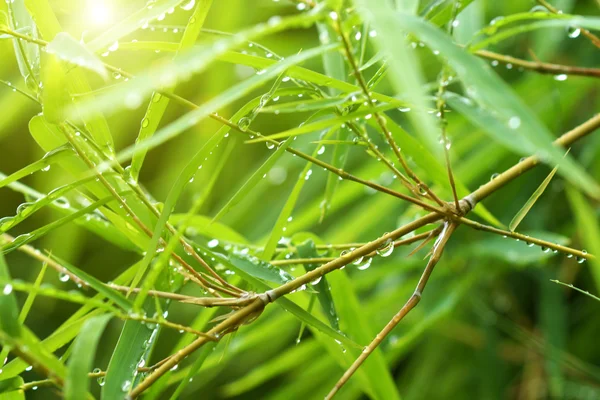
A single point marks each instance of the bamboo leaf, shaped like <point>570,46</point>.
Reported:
<point>375,371</point>
<point>307,249</point>
<point>74,52</point>
<point>531,201</point>
<point>10,388</point>
<point>158,103</point>
<point>284,302</point>
<point>133,22</point>
<point>97,285</point>
<point>58,154</point>
<point>256,177</point>
<point>9,311</point>
<point>196,60</point>
<point>512,118</point>
<point>82,357</point>
<point>404,68</point>
<point>224,98</point>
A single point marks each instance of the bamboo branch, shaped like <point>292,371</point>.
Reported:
<point>438,249</point>
<point>537,66</point>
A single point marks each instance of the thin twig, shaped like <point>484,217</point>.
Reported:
<point>537,66</point>
<point>595,40</point>
<point>378,118</point>
<point>438,249</point>
<point>545,245</point>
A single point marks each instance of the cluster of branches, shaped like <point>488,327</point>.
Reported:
<point>445,217</point>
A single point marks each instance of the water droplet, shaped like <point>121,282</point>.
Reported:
<point>373,33</point>
<point>29,368</point>
<point>96,371</point>
<point>545,249</point>
<point>404,109</point>
<point>316,280</point>
<point>580,260</point>
<point>175,367</point>
<point>539,9</point>
<point>126,386</point>
<point>321,150</point>
<point>386,248</point>
<point>188,5</point>
<point>366,263</point>
<point>573,32</point>
<point>101,380</point>
<point>270,145</point>
<point>213,243</point>
<point>494,63</point>
<point>494,176</point>
<point>63,277</point>
<point>62,202</point>
<point>114,47</point>
<point>264,99</point>
<point>46,168</point>
<point>561,77</point>
<point>514,122</point>
<point>145,122</point>
<point>244,124</point>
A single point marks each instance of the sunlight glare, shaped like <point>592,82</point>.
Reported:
<point>99,12</point>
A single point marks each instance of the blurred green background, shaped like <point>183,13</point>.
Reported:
<point>491,324</point>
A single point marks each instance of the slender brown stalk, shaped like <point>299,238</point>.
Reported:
<point>541,67</point>
<point>35,253</point>
<point>378,118</point>
<point>545,245</point>
<point>438,249</point>
<point>595,40</point>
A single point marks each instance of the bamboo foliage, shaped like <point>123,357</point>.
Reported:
<point>221,205</point>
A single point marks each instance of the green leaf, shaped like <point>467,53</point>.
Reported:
<point>58,154</point>
<point>512,119</point>
<point>9,310</point>
<point>158,103</point>
<point>256,177</point>
<point>66,48</point>
<point>198,59</point>
<point>254,267</point>
<point>136,20</point>
<point>28,54</point>
<point>37,233</point>
<point>48,26</point>
<point>135,341</point>
<point>82,357</point>
<point>221,100</point>
<point>531,201</point>
<point>374,371</point>
<point>404,68</point>
<point>284,302</point>
<point>548,20</point>
<point>9,388</point>
<point>288,208</point>
<point>304,105</point>
<point>182,180</point>
<point>307,249</point>
<point>97,285</point>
